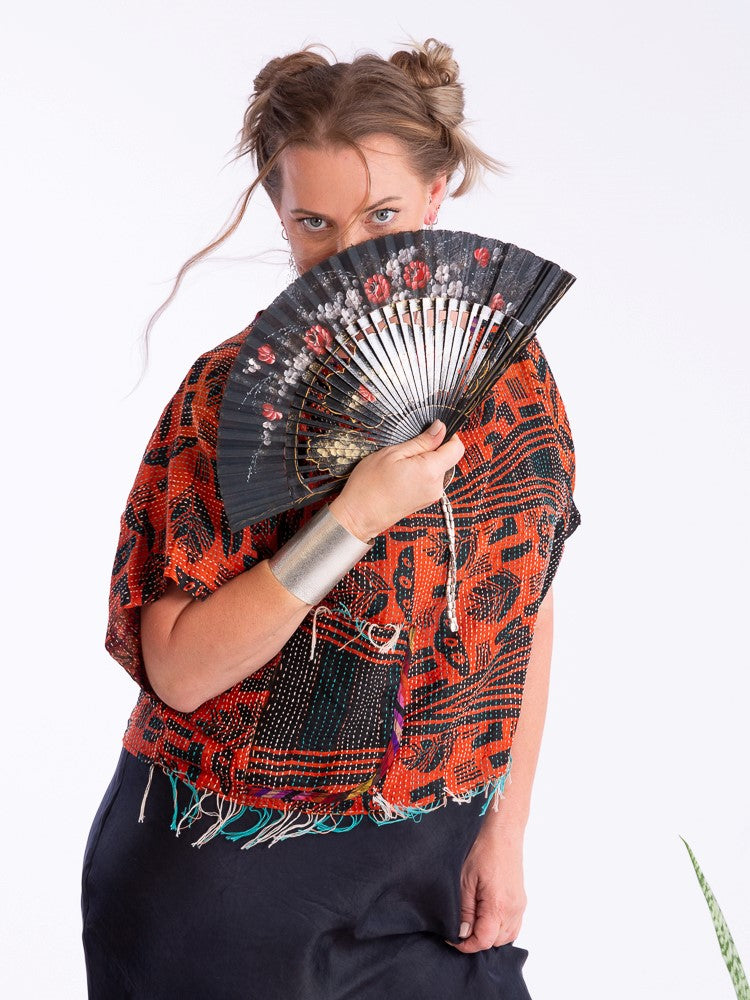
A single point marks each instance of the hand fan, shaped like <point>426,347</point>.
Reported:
<point>365,350</point>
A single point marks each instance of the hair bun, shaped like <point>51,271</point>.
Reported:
<point>431,64</point>
<point>265,79</point>
<point>287,66</point>
<point>433,70</point>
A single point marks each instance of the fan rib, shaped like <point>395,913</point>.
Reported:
<point>365,350</point>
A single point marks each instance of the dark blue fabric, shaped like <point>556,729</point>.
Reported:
<point>360,915</point>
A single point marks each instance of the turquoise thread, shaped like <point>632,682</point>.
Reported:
<point>359,623</point>
<point>499,785</point>
<point>328,823</point>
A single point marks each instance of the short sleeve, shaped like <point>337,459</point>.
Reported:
<point>568,517</point>
<point>174,525</point>
<point>564,528</point>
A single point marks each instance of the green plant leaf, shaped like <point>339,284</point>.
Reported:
<point>726,943</point>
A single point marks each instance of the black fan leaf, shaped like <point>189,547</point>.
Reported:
<point>365,350</point>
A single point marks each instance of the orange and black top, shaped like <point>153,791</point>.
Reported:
<point>394,713</point>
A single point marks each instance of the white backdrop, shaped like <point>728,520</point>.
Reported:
<point>626,130</point>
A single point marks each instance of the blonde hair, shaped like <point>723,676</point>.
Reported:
<point>303,99</point>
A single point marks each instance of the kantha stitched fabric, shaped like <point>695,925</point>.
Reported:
<point>374,707</point>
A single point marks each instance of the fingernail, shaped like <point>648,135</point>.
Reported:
<point>464,929</point>
<point>434,428</point>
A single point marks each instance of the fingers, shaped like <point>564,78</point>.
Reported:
<point>482,935</point>
<point>432,442</point>
<point>468,914</point>
<point>396,481</point>
<point>428,440</point>
<point>452,451</point>
<point>493,899</point>
<point>485,923</point>
<point>486,932</point>
<point>447,456</point>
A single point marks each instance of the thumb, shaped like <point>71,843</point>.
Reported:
<point>453,450</point>
<point>428,440</point>
<point>468,916</point>
<point>468,913</point>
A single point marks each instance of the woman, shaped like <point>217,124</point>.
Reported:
<point>260,724</point>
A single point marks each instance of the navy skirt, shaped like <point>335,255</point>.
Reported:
<point>355,915</point>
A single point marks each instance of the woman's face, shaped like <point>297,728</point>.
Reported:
<point>322,190</point>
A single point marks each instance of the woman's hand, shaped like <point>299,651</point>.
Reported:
<point>396,481</point>
<point>493,898</point>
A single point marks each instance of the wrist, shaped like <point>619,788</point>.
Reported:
<point>320,554</point>
<point>355,525</point>
<point>504,825</point>
<point>507,842</point>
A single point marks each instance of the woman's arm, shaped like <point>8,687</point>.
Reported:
<point>513,813</point>
<point>194,650</point>
<point>493,898</point>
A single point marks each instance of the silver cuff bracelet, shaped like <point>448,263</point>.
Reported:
<point>313,561</point>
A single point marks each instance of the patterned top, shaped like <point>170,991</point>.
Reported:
<point>394,714</point>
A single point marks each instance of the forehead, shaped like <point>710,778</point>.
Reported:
<point>314,176</point>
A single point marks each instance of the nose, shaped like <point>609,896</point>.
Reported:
<point>358,234</point>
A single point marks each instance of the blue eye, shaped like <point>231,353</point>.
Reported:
<point>390,211</point>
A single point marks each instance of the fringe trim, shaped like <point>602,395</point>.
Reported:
<point>269,826</point>
<point>450,587</point>
<point>142,813</point>
<point>497,793</point>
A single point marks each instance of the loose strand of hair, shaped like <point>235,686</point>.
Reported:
<point>235,218</point>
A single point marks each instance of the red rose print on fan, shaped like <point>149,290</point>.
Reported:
<point>377,289</point>
<point>497,302</point>
<point>366,394</point>
<point>416,274</point>
<point>482,256</point>
<point>265,353</point>
<point>318,339</point>
<point>270,413</point>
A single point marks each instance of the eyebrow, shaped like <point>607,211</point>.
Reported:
<point>370,208</point>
